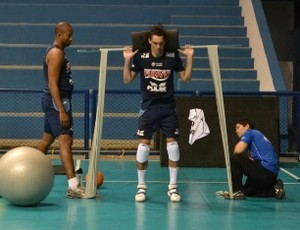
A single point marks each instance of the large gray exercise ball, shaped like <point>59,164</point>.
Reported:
<point>26,176</point>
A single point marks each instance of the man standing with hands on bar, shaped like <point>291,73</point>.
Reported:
<point>158,108</point>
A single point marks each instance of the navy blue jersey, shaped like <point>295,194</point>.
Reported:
<point>261,149</point>
<point>157,78</point>
<point>65,82</point>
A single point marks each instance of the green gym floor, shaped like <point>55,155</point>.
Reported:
<point>115,208</point>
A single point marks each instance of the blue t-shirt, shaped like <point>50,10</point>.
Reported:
<point>65,82</point>
<point>157,76</point>
<point>261,149</point>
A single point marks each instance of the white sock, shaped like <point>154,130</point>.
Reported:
<point>141,176</point>
<point>173,175</point>
<point>73,183</point>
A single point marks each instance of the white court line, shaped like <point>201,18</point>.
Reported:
<point>166,182</point>
<point>182,182</point>
<point>290,174</point>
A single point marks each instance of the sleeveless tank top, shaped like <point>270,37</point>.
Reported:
<point>65,82</point>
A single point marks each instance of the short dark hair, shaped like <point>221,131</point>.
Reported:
<point>245,122</point>
<point>158,30</point>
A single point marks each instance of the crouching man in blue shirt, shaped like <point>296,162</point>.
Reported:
<point>254,156</point>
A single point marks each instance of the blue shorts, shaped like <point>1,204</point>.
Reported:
<point>151,119</point>
<point>51,122</point>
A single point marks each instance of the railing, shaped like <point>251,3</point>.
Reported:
<point>21,119</point>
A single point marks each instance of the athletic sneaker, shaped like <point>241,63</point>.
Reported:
<point>279,190</point>
<point>239,195</point>
<point>173,193</point>
<point>76,193</point>
<point>141,193</point>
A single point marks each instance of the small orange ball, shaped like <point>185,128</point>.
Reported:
<point>100,178</point>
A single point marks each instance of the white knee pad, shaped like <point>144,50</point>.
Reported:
<point>173,151</point>
<point>142,153</point>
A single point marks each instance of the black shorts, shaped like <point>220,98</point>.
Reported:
<point>52,123</point>
<point>151,119</point>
